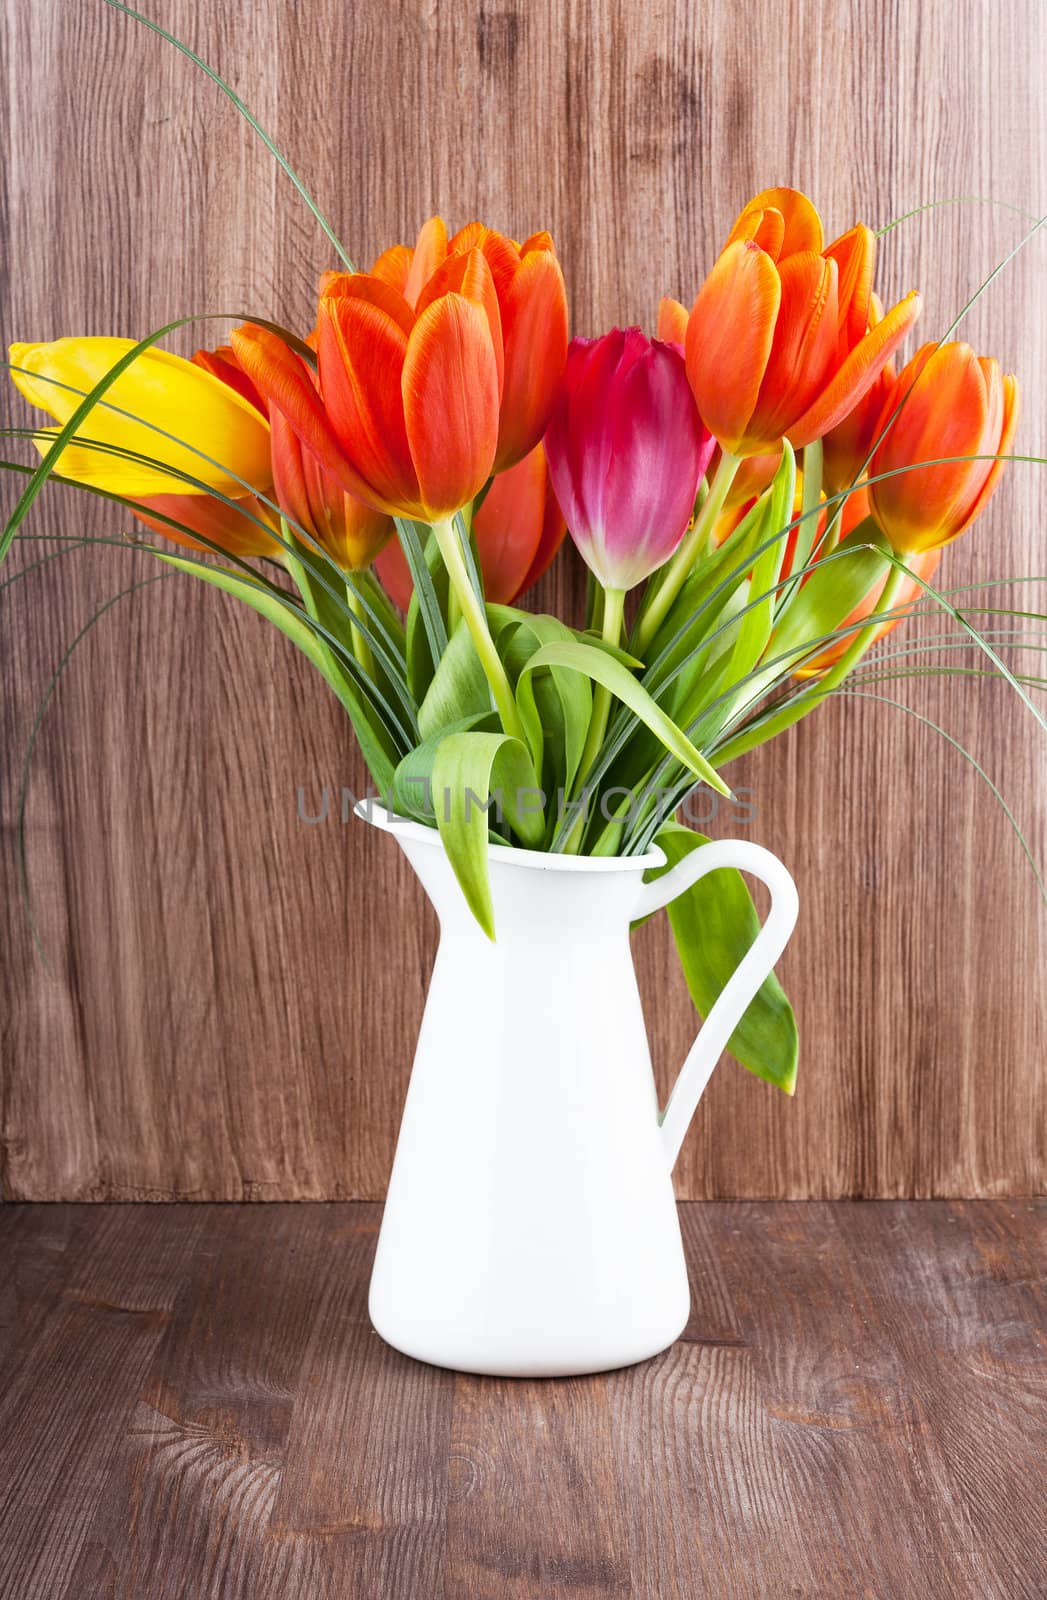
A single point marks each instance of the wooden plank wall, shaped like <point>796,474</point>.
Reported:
<point>230,996</point>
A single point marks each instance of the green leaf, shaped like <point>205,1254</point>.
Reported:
<point>603,669</point>
<point>426,631</point>
<point>714,923</point>
<point>835,587</point>
<point>692,613</point>
<point>459,687</point>
<point>469,771</point>
<point>555,706</point>
<point>413,780</point>
<point>587,636</point>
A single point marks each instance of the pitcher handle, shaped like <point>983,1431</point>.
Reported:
<point>730,1005</point>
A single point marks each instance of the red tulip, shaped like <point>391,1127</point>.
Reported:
<point>626,453</point>
<point>949,402</point>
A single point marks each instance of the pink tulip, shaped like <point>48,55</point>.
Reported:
<point>626,452</point>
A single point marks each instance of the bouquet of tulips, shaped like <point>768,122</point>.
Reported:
<point>758,495</point>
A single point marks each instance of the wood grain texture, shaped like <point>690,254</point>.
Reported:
<point>232,994</point>
<point>194,1406</point>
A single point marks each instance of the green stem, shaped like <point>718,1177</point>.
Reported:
<point>476,621</point>
<point>807,532</point>
<point>611,632</point>
<point>361,648</point>
<point>798,708</point>
<point>676,573</point>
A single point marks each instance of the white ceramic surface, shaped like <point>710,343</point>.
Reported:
<point>530,1227</point>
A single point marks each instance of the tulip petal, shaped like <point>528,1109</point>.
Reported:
<point>468,274</point>
<point>508,527</point>
<point>222,364</point>
<point>1011,412</point>
<point>503,258</point>
<point>765,228</point>
<point>857,373</point>
<point>554,531</point>
<point>288,386</point>
<point>801,224</point>
<point>854,253</point>
<point>537,241</point>
<point>534,328</point>
<point>395,575</point>
<point>393,266</point>
<point>232,528</point>
<point>657,460</point>
<point>363,286</point>
<point>672,322</point>
<point>430,250</point>
<point>289,481</point>
<point>729,337</point>
<point>218,436</point>
<point>450,403</point>
<point>473,236</point>
<point>804,348</point>
<point>941,413</point>
<point>579,438</point>
<point>362,349</point>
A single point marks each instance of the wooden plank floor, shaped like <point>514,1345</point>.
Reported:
<point>194,1407</point>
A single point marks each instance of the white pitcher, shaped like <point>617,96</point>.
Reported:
<point>530,1228</point>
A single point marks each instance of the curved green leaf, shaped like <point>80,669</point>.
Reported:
<point>833,590</point>
<point>603,669</point>
<point>459,687</point>
<point>472,772</point>
<point>714,923</point>
<point>413,780</point>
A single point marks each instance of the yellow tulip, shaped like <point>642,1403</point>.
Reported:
<point>181,398</point>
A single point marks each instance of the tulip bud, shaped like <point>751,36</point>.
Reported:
<point>351,532</point>
<point>949,403</point>
<point>626,452</point>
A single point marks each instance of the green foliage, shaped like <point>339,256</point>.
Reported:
<point>714,923</point>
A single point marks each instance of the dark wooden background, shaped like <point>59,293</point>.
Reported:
<point>232,995</point>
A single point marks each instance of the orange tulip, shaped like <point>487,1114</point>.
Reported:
<point>532,311</point>
<point>235,529</point>
<point>779,343</point>
<point>949,402</point>
<point>519,528</point>
<point>406,414</point>
<point>435,369</point>
<point>222,364</point>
